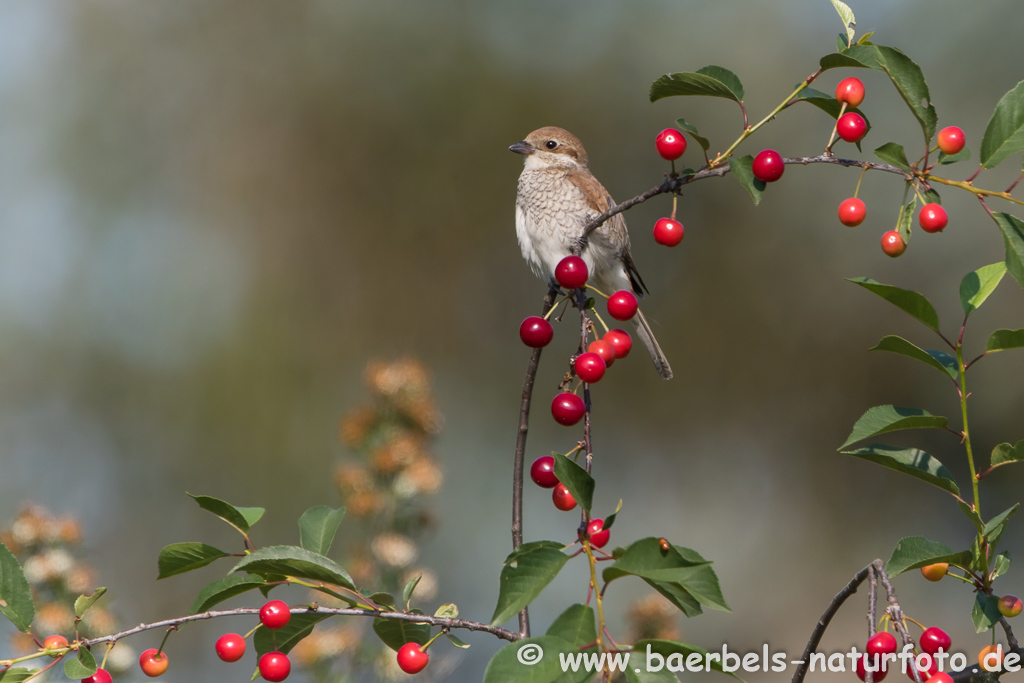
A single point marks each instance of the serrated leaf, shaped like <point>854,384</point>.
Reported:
<point>912,461</point>
<point>576,626</point>
<point>1001,565</point>
<point>223,589</point>
<point>972,515</point>
<point>888,418</point>
<point>913,303</point>
<point>940,360</point>
<point>507,664</point>
<point>1004,134</point>
<point>15,593</point>
<point>665,648</point>
<point>179,558</point>
<point>395,633</point>
<point>383,600</point>
<point>979,284</point>
<point>410,588</point>
<point>678,596</point>
<point>317,527</point>
<point>906,219</point>
<point>901,70</point>
<point>914,552</point>
<point>456,642</point>
<point>576,479</point>
<point>706,82</point>
<point>892,153</point>
<point>238,517</point>
<point>743,170</point>
<point>84,602</point>
<point>1004,454</point>
<point>704,143</point>
<point>1001,340</point>
<point>290,560</point>
<point>82,666</point>
<point>17,675</point>
<point>985,612</point>
<point>523,579</point>
<point>849,21</point>
<point>962,155</point>
<point>994,527</point>
<point>1013,237</point>
<point>447,611</point>
<point>288,636</point>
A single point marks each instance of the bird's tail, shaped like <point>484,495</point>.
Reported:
<point>643,330</point>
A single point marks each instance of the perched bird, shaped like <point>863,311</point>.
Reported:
<point>558,196</point>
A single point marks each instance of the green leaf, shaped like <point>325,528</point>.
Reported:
<point>82,666</point>
<point>456,642</point>
<point>901,70</point>
<point>288,636</point>
<point>910,461</point>
<point>1004,134</point>
<point>906,219</point>
<point>1001,564</point>
<point>179,558</point>
<point>448,610</point>
<point>290,560</point>
<point>941,361</point>
<point>15,594</point>
<point>507,667</point>
<point>710,81</point>
<point>317,527</point>
<point>395,633</point>
<point>893,153</point>
<point>17,675</point>
<point>610,519</point>
<point>910,302</point>
<point>410,588</point>
<point>849,21</point>
<point>575,625</point>
<point>523,577</point>
<point>931,196</point>
<point>995,526</point>
<point>985,612</point>
<point>646,559</point>
<point>641,674</point>
<point>979,284</point>
<point>1001,340</point>
<point>383,600</point>
<point>829,104</point>
<point>1013,237</point>
<point>678,596</point>
<point>84,602</point>
<point>1004,453</point>
<point>914,552</point>
<point>238,517</point>
<point>576,479</point>
<point>222,589</point>
<point>692,130</point>
<point>882,419</point>
<point>962,155</point>
<point>743,170</point>
<point>678,652</point>
<point>972,515</point>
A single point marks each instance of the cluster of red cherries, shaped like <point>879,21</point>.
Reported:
<point>932,641</point>
<point>542,471</point>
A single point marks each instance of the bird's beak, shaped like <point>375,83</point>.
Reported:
<point>524,148</point>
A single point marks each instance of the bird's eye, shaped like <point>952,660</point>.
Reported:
<point>551,144</point>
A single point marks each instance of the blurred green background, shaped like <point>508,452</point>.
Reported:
<point>213,214</point>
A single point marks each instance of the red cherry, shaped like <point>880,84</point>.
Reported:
<point>101,676</point>
<point>925,674</point>
<point>620,341</point>
<point>275,614</point>
<point>622,305</point>
<point>941,677</point>
<point>590,367</point>
<point>542,471</point>
<point>932,218</point>
<point>275,666</point>
<point>411,659</point>
<point>882,643</point>
<point>568,409</point>
<point>670,144</point>
<point>562,499</point>
<point>603,349</point>
<point>934,639</point>
<point>571,272</point>
<point>536,332</point>
<point>851,214</point>
<point>951,140</point>
<point>876,676</point>
<point>153,662</point>
<point>851,91</point>
<point>1009,606</point>
<point>230,647</point>
<point>668,232</point>
<point>851,127</point>
<point>768,166</point>
<point>893,244</point>
<point>598,537</point>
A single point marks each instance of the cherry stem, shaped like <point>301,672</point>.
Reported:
<point>835,129</point>
<point>856,191</point>
<point>159,650</point>
<point>1014,184</point>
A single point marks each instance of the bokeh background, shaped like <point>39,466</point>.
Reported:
<point>213,214</point>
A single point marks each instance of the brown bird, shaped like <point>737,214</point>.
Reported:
<point>558,196</point>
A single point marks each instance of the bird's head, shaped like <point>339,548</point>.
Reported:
<point>552,147</point>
